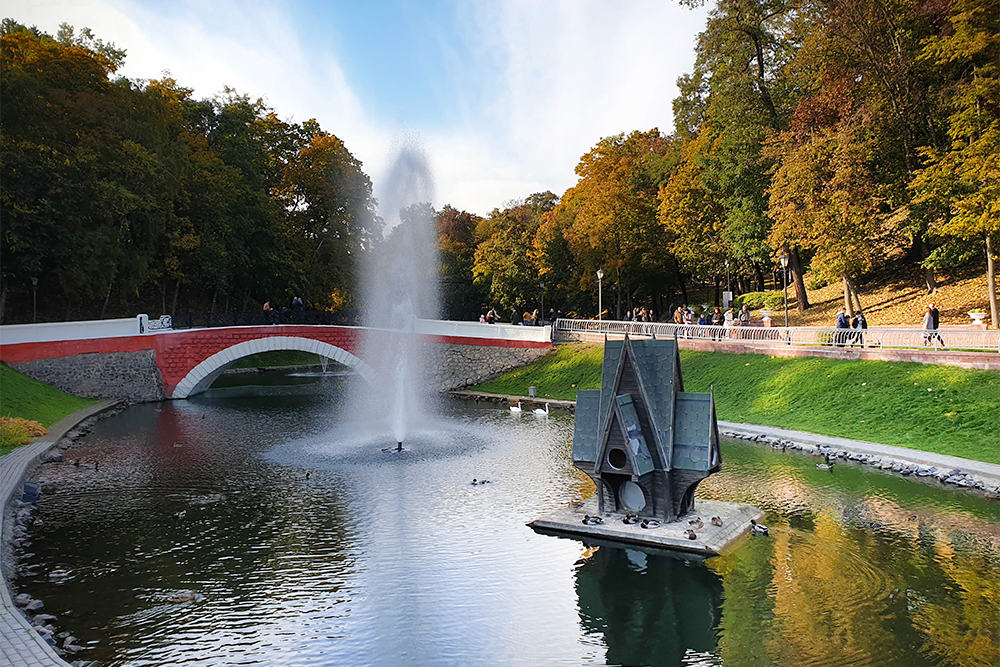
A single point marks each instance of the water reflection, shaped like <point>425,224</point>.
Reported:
<point>308,545</point>
<point>650,609</point>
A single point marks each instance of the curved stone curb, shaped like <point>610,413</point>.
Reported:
<point>960,472</point>
<point>20,645</point>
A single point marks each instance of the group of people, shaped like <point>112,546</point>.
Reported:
<point>932,320</point>
<point>858,323</point>
<point>638,314</point>
<point>532,319</point>
<point>296,314</point>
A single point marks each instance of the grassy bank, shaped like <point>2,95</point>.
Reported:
<point>937,409</point>
<point>20,396</point>
<point>278,358</point>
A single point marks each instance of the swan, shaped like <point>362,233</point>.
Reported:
<point>758,528</point>
<point>542,413</point>
<point>516,408</point>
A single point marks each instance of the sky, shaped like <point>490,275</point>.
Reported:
<point>502,97</point>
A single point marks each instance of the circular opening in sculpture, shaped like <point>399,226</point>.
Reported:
<point>631,497</point>
<point>617,458</point>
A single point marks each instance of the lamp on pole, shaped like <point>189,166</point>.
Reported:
<point>784,277</point>
<point>728,288</point>
<point>541,314</point>
<point>34,300</point>
<point>600,294</point>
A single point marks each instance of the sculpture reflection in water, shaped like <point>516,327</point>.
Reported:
<point>651,608</point>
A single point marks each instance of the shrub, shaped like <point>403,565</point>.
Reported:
<point>15,431</point>
<point>814,281</point>
<point>761,300</point>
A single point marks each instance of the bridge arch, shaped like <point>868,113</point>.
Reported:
<point>204,374</point>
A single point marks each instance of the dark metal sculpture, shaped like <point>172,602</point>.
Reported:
<point>645,441</point>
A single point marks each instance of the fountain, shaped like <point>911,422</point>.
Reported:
<point>399,285</point>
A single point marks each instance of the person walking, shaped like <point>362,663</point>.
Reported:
<point>859,324</point>
<point>930,326</point>
<point>744,316</point>
<point>937,323</point>
<point>839,337</point>
<point>300,309</point>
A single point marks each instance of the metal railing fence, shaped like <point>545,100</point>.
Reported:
<point>954,339</point>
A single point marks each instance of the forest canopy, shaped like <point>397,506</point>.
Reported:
<point>844,134</point>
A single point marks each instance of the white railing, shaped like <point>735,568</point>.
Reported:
<point>477,330</point>
<point>949,338</point>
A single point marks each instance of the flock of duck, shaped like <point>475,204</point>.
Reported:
<point>696,524</point>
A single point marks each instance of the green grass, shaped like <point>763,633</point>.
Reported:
<point>20,396</point>
<point>939,409</point>
<point>279,358</point>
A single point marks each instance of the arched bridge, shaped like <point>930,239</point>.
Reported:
<point>139,360</point>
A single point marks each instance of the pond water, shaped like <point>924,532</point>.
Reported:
<point>307,545</point>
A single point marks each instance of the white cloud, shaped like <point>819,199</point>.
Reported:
<point>534,85</point>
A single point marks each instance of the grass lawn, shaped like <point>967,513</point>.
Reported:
<point>938,409</point>
<point>20,396</point>
<point>279,358</point>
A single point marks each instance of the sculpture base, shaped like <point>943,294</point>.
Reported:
<point>710,540</point>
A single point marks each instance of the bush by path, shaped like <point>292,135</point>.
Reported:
<point>938,409</point>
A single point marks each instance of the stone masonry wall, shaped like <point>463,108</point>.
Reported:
<point>132,376</point>
<point>460,366</point>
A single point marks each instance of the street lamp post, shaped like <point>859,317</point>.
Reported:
<point>784,277</point>
<point>34,300</point>
<point>541,315</point>
<point>600,294</point>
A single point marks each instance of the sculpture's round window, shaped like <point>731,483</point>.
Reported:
<point>617,458</point>
<point>631,497</point>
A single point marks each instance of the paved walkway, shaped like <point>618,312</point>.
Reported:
<point>20,646</point>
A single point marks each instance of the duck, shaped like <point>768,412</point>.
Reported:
<point>630,519</point>
<point>516,408</point>
<point>690,534</point>
<point>186,596</point>
<point>778,446</point>
<point>180,515</point>
<point>696,523</point>
<point>649,523</point>
<point>542,413</point>
<point>758,529</point>
<point>826,466</point>
<point>716,521</point>
<point>592,520</point>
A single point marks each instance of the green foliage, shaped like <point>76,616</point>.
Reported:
<point>773,300</point>
<point>876,401</point>
<point>11,436</point>
<point>279,358</point>
<point>21,396</point>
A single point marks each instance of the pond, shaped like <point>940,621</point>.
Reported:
<point>305,544</point>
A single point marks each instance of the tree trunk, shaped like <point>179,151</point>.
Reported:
<point>177,291</point>
<point>848,303</point>
<point>759,275</point>
<point>3,303</point>
<point>680,281</point>
<point>929,281</point>
<point>163,298</point>
<point>991,283</point>
<point>801,297</point>
<point>718,292</point>
<point>106,298</point>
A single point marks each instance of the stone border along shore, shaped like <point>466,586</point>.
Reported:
<point>959,472</point>
<point>35,642</point>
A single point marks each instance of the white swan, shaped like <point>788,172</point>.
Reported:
<point>516,408</point>
<point>542,413</point>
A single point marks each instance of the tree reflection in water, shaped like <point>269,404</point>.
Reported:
<point>651,608</point>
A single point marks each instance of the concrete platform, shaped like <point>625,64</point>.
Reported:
<point>711,540</point>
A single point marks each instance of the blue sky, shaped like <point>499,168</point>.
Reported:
<point>502,96</point>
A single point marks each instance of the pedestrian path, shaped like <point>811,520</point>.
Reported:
<point>20,646</point>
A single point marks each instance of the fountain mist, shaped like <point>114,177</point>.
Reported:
<point>399,286</point>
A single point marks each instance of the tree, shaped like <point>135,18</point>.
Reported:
<point>960,185</point>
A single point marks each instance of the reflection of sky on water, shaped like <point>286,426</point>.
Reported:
<point>311,546</point>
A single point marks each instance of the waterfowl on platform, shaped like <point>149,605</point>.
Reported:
<point>592,520</point>
<point>758,529</point>
<point>649,523</point>
<point>515,408</point>
<point>631,519</point>
<point>716,521</point>
<point>696,523</point>
<point>690,534</point>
